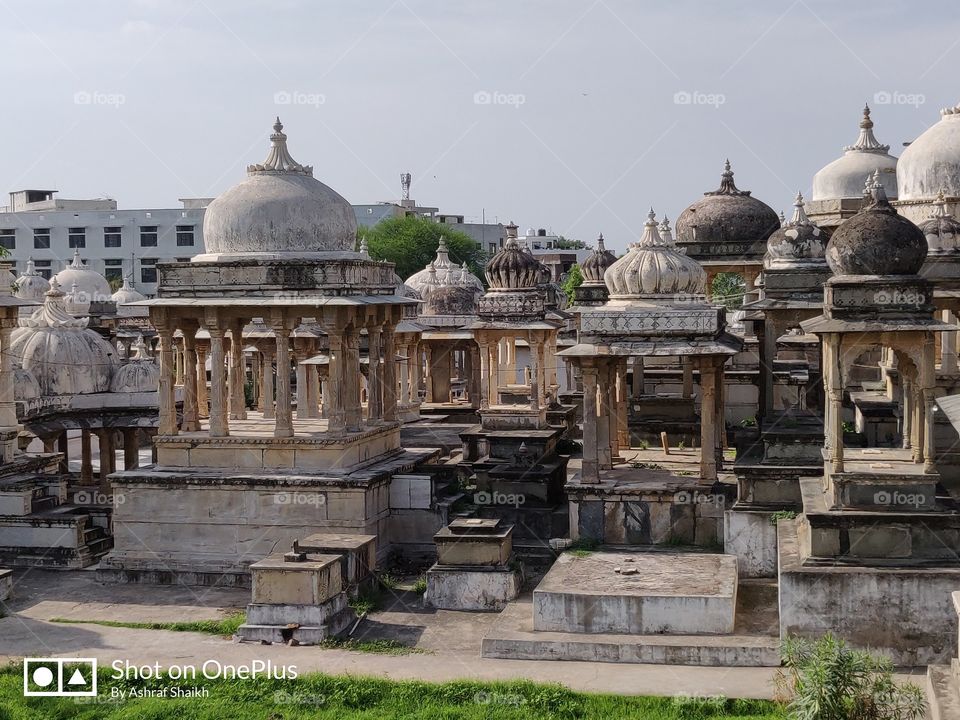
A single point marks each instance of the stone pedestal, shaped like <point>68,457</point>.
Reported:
<point>297,598</point>
<point>473,566</point>
<point>358,554</point>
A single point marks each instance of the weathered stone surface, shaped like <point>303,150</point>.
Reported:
<point>453,588</point>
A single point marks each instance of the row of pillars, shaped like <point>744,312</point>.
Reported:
<point>107,439</point>
<point>494,348</point>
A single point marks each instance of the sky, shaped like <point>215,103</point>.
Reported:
<point>572,115</point>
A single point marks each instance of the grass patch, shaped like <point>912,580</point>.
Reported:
<point>377,647</point>
<point>782,515</point>
<point>420,586</point>
<point>225,626</point>
<point>366,602</point>
<point>582,547</point>
<point>325,697</point>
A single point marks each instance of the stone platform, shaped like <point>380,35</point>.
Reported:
<point>638,593</point>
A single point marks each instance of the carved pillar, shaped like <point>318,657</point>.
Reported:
<point>375,389</point>
<point>603,416</point>
<point>313,390</point>
<point>303,394</point>
<point>266,382</point>
<point>108,457</point>
<point>191,413</point>
<point>636,388</point>
<point>166,400</point>
<point>63,447</point>
<point>333,395</point>
<point>389,384</point>
<point>623,429</point>
<point>256,377</point>
<point>405,374</point>
<point>131,440</point>
<point>918,423</point>
<point>283,422</point>
<point>708,419</point>
<point>9,426</point>
<point>591,463</point>
<point>907,401</point>
<point>86,458</point>
<point>351,379</point>
<point>831,356</point>
<point>219,423</point>
<point>178,364</point>
<point>613,411</point>
<point>534,342</point>
<point>688,378</point>
<point>238,406</point>
<point>203,409</point>
<point>484,375</point>
<point>428,378</point>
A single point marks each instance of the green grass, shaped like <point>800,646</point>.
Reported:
<point>325,697</point>
<point>377,647</point>
<point>225,626</point>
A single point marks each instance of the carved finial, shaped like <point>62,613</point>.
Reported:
<point>727,185</point>
<point>666,232</point>
<point>600,246</point>
<point>940,205</point>
<point>77,261</point>
<point>54,287</point>
<point>799,214</point>
<point>878,194</point>
<point>31,269</point>
<point>783,219</point>
<point>279,158</point>
<point>651,236</point>
<point>866,142</point>
<point>364,248</point>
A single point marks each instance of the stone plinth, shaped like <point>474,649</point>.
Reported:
<point>312,581</point>
<point>685,593</point>
<point>358,553</point>
<point>751,536</point>
<point>474,541</point>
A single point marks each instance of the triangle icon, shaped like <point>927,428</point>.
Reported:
<point>76,678</point>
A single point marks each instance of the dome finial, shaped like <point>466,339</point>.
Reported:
<point>799,214</point>
<point>651,236</point>
<point>364,248</point>
<point>783,219</point>
<point>279,159</point>
<point>600,245</point>
<point>77,260</point>
<point>940,205</point>
<point>866,142</point>
<point>727,185</point>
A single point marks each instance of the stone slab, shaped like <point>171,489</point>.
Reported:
<point>752,537</point>
<point>487,589</point>
<point>358,553</point>
<point>670,593</point>
<point>310,582</point>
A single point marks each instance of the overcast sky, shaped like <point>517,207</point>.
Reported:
<point>573,115</point>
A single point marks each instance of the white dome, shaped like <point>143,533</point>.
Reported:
<point>932,162</point>
<point>653,269</point>
<point>279,208</point>
<point>64,356</point>
<point>845,176</point>
<point>446,271</point>
<point>129,294</point>
<point>31,285</point>
<point>91,286</point>
<point>942,230</point>
<point>141,374</point>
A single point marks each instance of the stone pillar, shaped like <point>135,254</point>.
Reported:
<point>203,410</point>
<point>389,383</point>
<point>9,427</point>
<point>178,364</point>
<point>613,411</point>
<point>405,375</point>
<point>333,395</point>
<point>166,399</point>
<point>484,375</point>
<point>303,394</point>
<point>219,423</point>
<point>313,390</point>
<point>688,378</point>
<point>623,429</point>
<point>536,369</point>
<point>929,451</point>
<point>324,396</point>
<point>108,457</point>
<point>603,416</point>
<point>832,376</point>
<point>256,377</point>
<point>906,385</point>
<point>238,374</point>
<point>353,415</point>
<point>86,458</point>
<point>918,422</point>
<point>474,377</point>
<point>948,346</point>
<point>375,389</point>
<point>131,440</point>
<point>636,386</point>
<point>64,449</point>
<point>495,375</point>
<point>510,359</point>
<point>768,354</point>
<point>266,382</point>
<point>428,378</point>
<point>591,464</point>
<point>283,421</point>
<point>191,413</point>
<point>417,371</point>
<point>708,419</point>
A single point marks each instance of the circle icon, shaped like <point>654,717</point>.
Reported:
<point>42,676</point>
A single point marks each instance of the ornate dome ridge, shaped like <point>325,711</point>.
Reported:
<point>513,268</point>
<point>797,240</point>
<point>942,230</point>
<point>597,263</point>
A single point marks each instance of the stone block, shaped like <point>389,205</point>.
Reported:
<point>880,541</point>
<point>311,582</point>
<point>358,553</point>
<point>279,458</point>
<point>489,589</point>
<point>752,537</point>
<point>485,543</point>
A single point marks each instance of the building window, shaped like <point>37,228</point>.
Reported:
<point>8,238</point>
<point>41,238</point>
<point>112,237</point>
<point>148,236</point>
<point>42,267</point>
<point>113,270</point>
<point>148,270</point>
<point>183,259</point>
<point>76,237</point>
<point>184,235</point>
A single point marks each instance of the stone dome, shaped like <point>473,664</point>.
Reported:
<point>942,230</point>
<point>653,269</point>
<point>932,162</point>
<point>141,374</point>
<point>797,240</point>
<point>31,285</point>
<point>513,268</point>
<point>84,284</point>
<point>25,385</point>
<point>596,265</point>
<point>279,208</point>
<point>447,271</point>
<point>64,355</point>
<point>451,300</point>
<point>877,241</point>
<point>726,216</point>
<point>128,294</point>
<point>844,177</point>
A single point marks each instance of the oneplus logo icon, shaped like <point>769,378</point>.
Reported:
<point>60,677</point>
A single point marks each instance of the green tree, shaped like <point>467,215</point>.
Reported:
<point>728,290</point>
<point>411,242</point>
<point>572,281</point>
<point>563,243</point>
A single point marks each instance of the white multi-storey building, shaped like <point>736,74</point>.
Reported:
<point>116,243</point>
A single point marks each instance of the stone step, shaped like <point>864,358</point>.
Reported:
<point>513,638</point>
